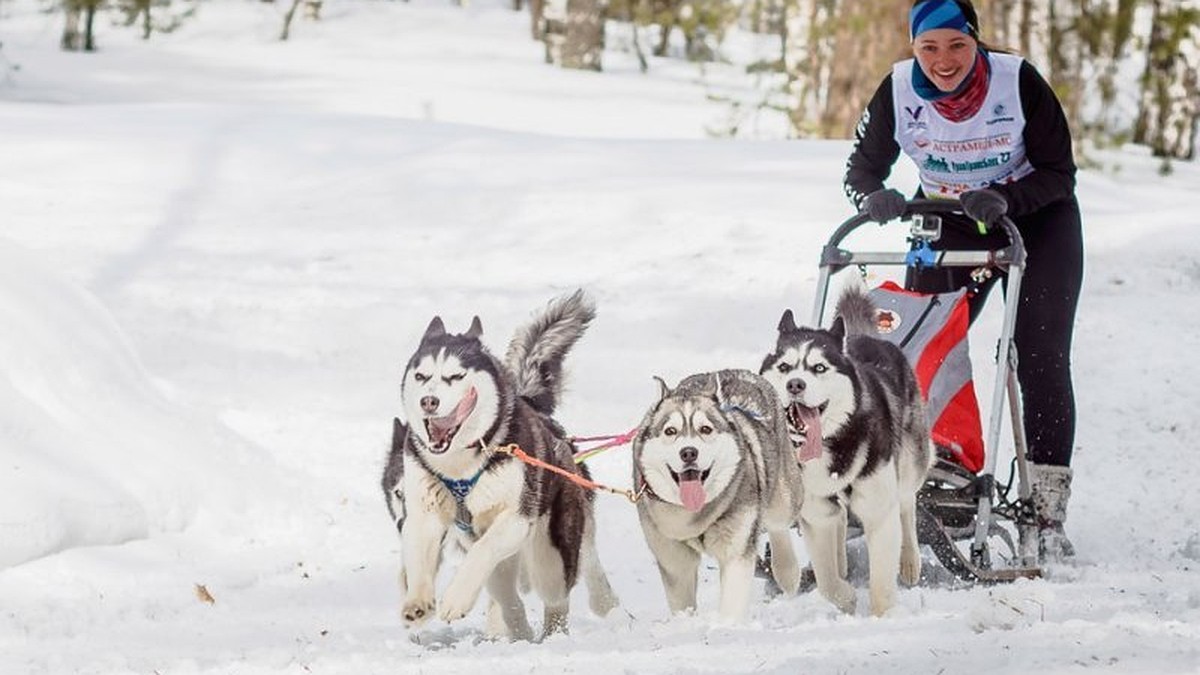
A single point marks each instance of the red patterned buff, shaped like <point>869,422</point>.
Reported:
<point>971,94</point>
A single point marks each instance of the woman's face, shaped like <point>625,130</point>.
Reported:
<point>946,55</point>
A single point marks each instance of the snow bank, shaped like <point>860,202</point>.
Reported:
<point>91,450</point>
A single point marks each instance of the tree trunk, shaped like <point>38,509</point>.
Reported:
<point>72,37</point>
<point>287,21</point>
<point>1065,50</point>
<point>536,16</point>
<point>1170,98</point>
<point>89,22</point>
<point>1107,28</point>
<point>869,36</point>
<point>643,64</point>
<point>999,24</point>
<point>1025,28</point>
<point>584,40</point>
<point>664,39</point>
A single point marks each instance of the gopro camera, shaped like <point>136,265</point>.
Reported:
<point>926,226</point>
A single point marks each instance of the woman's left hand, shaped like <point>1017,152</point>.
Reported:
<point>985,206</point>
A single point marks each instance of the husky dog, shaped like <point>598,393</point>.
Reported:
<point>393,475</point>
<point>857,424</point>
<point>461,404</point>
<point>714,459</point>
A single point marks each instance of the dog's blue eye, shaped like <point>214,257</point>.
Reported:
<point>819,368</point>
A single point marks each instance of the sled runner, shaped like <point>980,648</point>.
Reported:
<point>978,528</point>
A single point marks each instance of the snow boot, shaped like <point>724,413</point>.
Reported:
<point>1051,491</point>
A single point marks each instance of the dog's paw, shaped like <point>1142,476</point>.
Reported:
<point>843,596</point>
<point>456,602</point>
<point>417,611</point>
<point>882,602</point>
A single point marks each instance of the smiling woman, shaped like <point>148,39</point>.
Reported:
<point>946,56</point>
<point>945,37</point>
<point>984,128</point>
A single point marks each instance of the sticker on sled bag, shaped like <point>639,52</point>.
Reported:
<point>931,329</point>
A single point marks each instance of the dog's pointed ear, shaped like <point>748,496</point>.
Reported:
<point>476,328</point>
<point>663,389</point>
<point>399,432</point>
<point>436,329</point>
<point>838,329</point>
<point>717,395</point>
<point>787,323</point>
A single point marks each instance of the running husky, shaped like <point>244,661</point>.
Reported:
<point>714,459</point>
<point>858,427</point>
<point>512,519</point>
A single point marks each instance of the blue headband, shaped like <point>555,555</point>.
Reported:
<point>933,14</point>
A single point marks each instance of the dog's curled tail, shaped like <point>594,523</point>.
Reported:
<point>535,355</point>
<point>857,312</point>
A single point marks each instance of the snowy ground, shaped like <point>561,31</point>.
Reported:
<point>217,251</point>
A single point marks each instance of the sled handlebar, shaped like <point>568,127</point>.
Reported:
<point>1014,254</point>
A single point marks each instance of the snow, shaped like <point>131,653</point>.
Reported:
<point>217,252</point>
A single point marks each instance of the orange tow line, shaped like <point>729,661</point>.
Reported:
<point>516,451</point>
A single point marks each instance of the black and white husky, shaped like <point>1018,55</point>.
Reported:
<point>714,459</point>
<point>513,520</point>
<point>858,426</point>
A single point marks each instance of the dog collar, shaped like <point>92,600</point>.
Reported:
<point>644,489</point>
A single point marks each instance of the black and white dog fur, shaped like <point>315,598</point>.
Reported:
<point>714,458</point>
<point>513,520</point>
<point>393,475</point>
<point>393,484</point>
<point>858,426</point>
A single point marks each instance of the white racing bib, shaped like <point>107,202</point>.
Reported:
<point>953,157</point>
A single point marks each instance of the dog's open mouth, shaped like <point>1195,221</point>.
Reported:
<point>691,487</point>
<point>442,429</point>
<point>804,429</point>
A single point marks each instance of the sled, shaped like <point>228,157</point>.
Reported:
<point>980,530</point>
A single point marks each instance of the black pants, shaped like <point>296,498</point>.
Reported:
<point>1045,316</point>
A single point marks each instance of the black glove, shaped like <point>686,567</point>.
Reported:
<point>884,205</point>
<point>985,206</point>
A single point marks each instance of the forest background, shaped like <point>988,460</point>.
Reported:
<point>1125,70</point>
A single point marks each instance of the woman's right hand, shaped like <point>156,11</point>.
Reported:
<point>884,205</point>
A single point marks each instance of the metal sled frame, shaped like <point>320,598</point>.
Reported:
<point>949,490</point>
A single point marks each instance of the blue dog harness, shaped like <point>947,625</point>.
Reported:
<point>459,488</point>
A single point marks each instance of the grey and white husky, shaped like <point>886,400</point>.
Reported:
<point>714,459</point>
<point>513,520</point>
<point>858,427</point>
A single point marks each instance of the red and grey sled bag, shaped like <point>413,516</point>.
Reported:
<point>931,330</point>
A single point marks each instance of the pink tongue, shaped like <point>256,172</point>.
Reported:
<point>441,426</point>
<point>811,449</point>
<point>691,492</point>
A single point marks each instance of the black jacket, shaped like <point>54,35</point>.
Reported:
<point>1047,145</point>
